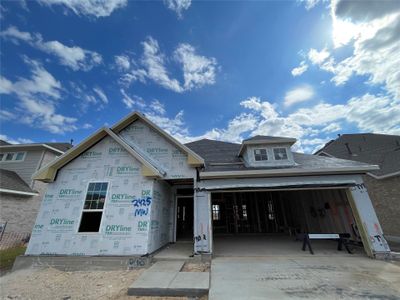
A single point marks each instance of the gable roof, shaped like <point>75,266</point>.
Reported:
<point>222,160</point>
<point>193,158</point>
<point>48,173</point>
<point>379,149</point>
<point>12,183</point>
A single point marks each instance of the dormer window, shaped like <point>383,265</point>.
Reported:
<point>260,154</point>
<point>280,154</point>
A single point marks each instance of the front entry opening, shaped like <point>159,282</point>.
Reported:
<point>269,221</point>
<point>184,219</point>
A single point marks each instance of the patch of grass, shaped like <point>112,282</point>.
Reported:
<point>8,256</point>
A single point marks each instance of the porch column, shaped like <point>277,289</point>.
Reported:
<point>202,222</point>
<point>367,221</point>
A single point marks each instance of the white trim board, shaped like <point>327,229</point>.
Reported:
<point>15,192</point>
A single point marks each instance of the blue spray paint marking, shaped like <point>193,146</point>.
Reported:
<point>142,205</point>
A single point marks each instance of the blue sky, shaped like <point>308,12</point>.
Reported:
<point>200,69</point>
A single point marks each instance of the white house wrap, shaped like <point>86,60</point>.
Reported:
<point>132,189</point>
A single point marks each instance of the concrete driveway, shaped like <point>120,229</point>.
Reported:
<point>311,277</point>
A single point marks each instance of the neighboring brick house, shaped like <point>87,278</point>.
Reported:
<point>20,196</point>
<point>384,184</point>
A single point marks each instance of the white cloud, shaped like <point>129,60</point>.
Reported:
<point>154,62</point>
<point>38,97</point>
<point>101,94</point>
<point>300,69</point>
<point>74,57</point>
<point>122,62</point>
<point>158,107</point>
<point>178,6</point>
<point>309,4</point>
<point>318,57</point>
<point>299,94</point>
<point>333,127</point>
<point>6,115</point>
<point>372,30</point>
<point>10,140</point>
<point>91,8</point>
<point>131,102</point>
<point>197,70</point>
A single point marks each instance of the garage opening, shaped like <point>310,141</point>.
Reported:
<point>268,222</point>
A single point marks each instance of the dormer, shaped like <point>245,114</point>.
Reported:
<point>267,151</point>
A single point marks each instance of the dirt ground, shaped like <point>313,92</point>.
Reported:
<point>54,284</point>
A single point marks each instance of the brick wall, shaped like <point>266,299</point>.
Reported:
<point>385,196</point>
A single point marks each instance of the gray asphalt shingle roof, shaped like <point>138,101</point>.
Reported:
<point>11,181</point>
<point>377,149</point>
<point>267,137</point>
<point>224,152</point>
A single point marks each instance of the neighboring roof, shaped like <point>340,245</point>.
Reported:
<point>193,158</point>
<point>222,158</point>
<point>59,148</point>
<point>10,182</point>
<point>2,143</point>
<point>48,172</point>
<point>378,149</point>
<point>265,139</point>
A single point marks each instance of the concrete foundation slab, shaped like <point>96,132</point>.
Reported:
<point>271,245</point>
<point>303,277</point>
<point>80,263</point>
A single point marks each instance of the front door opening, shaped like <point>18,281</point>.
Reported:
<point>184,218</point>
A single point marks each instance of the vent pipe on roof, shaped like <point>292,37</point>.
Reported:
<point>348,148</point>
<point>71,142</point>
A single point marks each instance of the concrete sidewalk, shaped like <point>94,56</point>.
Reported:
<point>165,279</point>
<point>316,277</point>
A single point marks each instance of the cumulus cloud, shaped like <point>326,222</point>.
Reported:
<point>299,94</point>
<point>122,62</point>
<point>90,8</point>
<point>197,70</point>
<point>73,57</point>
<point>38,97</point>
<point>372,31</point>
<point>318,57</point>
<point>154,62</point>
<point>178,6</point>
<point>300,69</point>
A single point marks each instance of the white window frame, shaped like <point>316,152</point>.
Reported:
<point>278,148</point>
<point>93,210</point>
<point>266,153</point>
<point>14,156</point>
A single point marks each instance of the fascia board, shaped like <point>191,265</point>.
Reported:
<point>15,192</point>
<point>286,172</point>
<point>384,176</point>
